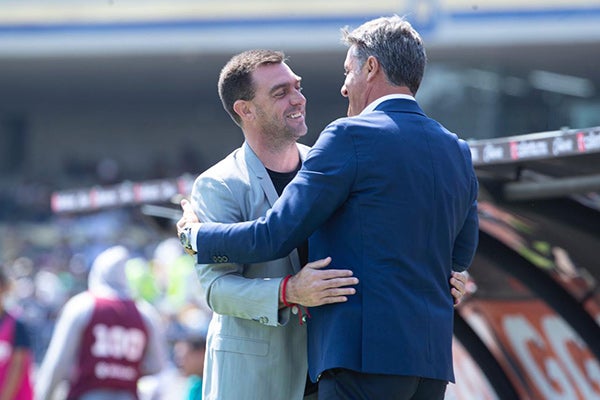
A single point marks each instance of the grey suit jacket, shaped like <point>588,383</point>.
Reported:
<point>254,350</point>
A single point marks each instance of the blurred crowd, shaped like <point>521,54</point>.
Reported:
<point>48,262</point>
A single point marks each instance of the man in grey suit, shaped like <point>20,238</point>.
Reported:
<point>256,345</point>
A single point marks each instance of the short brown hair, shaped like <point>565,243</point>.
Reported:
<point>235,80</point>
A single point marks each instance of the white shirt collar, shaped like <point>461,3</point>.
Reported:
<point>371,107</point>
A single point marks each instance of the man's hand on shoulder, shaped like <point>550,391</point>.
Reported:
<point>184,226</point>
<point>314,286</point>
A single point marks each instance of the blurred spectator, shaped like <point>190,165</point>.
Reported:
<point>63,250</point>
<point>103,341</point>
<point>189,356</point>
<point>15,351</point>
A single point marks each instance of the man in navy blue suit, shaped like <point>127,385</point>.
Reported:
<point>388,193</point>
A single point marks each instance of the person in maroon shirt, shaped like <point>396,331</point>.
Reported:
<point>104,341</point>
<point>15,351</point>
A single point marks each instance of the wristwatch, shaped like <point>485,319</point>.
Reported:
<point>185,237</point>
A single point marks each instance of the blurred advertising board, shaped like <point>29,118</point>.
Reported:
<point>471,382</point>
<point>544,355</point>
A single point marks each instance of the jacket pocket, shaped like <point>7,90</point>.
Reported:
<point>241,345</point>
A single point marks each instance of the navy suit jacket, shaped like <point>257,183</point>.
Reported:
<point>391,195</point>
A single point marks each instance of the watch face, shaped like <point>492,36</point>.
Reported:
<point>184,239</point>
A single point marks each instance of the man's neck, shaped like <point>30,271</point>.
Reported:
<point>284,158</point>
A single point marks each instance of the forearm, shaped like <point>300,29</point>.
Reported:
<point>248,298</point>
<point>64,345</point>
<point>467,240</point>
<point>249,242</point>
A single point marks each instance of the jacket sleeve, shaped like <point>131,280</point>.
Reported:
<point>227,291</point>
<point>319,188</point>
<point>467,239</point>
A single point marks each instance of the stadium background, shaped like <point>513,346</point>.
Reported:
<point>98,93</point>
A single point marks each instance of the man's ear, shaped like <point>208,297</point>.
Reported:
<point>243,109</point>
<point>373,67</point>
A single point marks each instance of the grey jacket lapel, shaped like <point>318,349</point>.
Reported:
<point>256,167</point>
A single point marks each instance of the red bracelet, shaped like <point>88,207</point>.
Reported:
<point>283,289</point>
<point>301,318</point>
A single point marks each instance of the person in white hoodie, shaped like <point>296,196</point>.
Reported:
<point>104,340</point>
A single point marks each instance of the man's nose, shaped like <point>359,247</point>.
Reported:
<point>298,98</point>
<point>344,91</point>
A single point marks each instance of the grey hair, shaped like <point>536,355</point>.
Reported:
<point>395,44</point>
